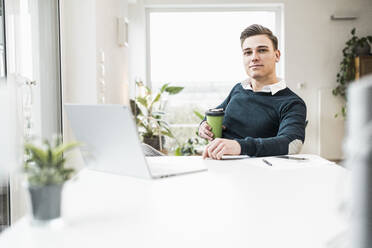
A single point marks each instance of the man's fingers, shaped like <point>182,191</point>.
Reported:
<point>201,134</point>
<point>204,131</point>
<point>209,135</point>
<point>207,132</point>
<point>205,152</point>
<point>218,149</point>
<point>220,153</point>
<point>206,135</point>
<point>212,147</point>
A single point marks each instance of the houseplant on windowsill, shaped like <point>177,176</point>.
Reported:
<point>148,110</point>
<point>355,46</point>
<point>46,174</point>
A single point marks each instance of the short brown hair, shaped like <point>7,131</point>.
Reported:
<point>256,29</point>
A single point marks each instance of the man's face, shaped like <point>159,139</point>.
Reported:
<point>259,57</point>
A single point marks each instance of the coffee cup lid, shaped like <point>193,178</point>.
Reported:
<point>215,112</point>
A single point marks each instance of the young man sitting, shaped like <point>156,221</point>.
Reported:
<point>262,116</point>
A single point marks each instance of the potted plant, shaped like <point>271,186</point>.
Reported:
<point>355,46</point>
<point>46,174</point>
<point>192,146</point>
<point>148,110</point>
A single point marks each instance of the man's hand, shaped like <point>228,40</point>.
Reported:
<point>205,131</point>
<point>219,147</point>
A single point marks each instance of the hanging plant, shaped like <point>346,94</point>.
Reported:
<point>355,46</point>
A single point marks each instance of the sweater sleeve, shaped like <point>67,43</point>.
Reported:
<point>291,128</point>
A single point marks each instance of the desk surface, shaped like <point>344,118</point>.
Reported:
<point>242,203</point>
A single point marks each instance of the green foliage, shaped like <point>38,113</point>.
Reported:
<point>149,112</point>
<point>346,73</point>
<point>199,115</point>
<point>45,163</point>
<point>192,147</point>
<point>172,90</point>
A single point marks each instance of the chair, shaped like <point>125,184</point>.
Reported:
<point>149,151</point>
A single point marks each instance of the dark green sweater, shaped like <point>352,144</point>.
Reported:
<point>263,124</point>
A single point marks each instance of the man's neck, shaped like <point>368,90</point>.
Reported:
<point>258,83</point>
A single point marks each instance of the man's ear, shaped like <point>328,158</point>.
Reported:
<point>277,55</point>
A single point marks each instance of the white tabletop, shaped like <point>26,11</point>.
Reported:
<point>241,203</point>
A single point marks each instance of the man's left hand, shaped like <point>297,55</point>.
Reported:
<point>219,147</point>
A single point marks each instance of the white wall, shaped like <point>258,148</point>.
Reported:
<point>78,51</point>
<point>87,29</point>
<point>116,69</point>
<point>137,44</point>
<point>313,45</point>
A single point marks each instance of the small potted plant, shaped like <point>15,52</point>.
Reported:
<point>149,114</point>
<point>46,174</point>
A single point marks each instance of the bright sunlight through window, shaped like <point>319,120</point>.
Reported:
<point>199,50</point>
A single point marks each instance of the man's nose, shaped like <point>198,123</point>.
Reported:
<point>255,56</point>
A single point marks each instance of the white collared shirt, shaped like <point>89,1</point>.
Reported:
<point>271,88</point>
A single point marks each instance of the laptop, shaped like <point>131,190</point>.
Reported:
<point>111,144</point>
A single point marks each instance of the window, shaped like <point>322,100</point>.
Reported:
<point>200,50</point>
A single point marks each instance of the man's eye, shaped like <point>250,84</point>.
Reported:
<point>247,53</point>
<point>262,50</point>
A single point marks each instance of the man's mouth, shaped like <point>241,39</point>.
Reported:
<point>255,66</point>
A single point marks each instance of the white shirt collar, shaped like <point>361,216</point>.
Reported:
<point>271,88</point>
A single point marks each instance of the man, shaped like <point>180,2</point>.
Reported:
<point>262,116</point>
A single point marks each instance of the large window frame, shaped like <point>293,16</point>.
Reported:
<point>277,8</point>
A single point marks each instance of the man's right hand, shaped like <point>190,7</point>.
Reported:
<point>205,131</point>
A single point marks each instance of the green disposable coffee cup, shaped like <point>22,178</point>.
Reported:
<point>214,120</point>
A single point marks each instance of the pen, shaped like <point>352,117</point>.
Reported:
<point>267,162</point>
<point>293,158</point>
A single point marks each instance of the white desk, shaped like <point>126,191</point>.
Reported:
<point>243,203</point>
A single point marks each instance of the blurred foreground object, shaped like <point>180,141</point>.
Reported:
<point>359,160</point>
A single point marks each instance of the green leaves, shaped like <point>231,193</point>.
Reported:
<point>199,115</point>
<point>45,164</point>
<point>142,101</point>
<point>178,152</point>
<point>162,89</point>
<point>346,72</point>
<point>157,98</point>
<point>60,149</point>
<point>150,117</point>
<point>191,147</point>
<point>172,90</point>
<point>36,155</point>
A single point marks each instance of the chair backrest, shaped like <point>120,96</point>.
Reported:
<point>149,151</point>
